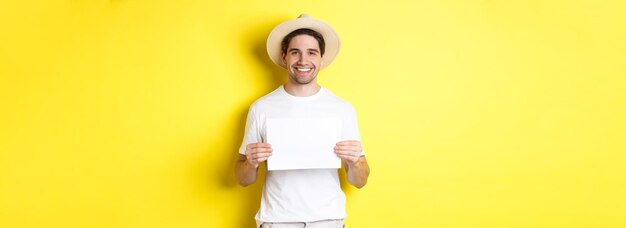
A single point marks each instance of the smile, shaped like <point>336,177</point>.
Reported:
<point>303,69</point>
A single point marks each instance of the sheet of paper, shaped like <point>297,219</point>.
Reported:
<point>303,143</point>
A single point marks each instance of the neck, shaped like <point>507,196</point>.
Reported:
<point>299,90</point>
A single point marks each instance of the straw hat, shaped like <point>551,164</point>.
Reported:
<point>303,21</point>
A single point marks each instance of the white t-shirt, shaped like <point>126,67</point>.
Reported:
<point>303,195</point>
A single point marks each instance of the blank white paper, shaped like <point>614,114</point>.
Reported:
<point>303,143</point>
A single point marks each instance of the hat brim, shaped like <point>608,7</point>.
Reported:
<point>331,39</point>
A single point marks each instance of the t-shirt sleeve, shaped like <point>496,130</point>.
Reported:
<point>351,128</point>
<point>251,134</point>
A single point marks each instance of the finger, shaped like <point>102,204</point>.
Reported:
<point>349,143</point>
<point>259,154</point>
<point>347,153</point>
<point>262,155</point>
<point>352,148</point>
<point>261,150</point>
<point>264,145</point>
<point>341,151</point>
<point>261,159</point>
<point>258,150</point>
<point>258,145</point>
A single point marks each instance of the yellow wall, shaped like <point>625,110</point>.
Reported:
<point>128,113</point>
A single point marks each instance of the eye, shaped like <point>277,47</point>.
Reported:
<point>312,53</point>
<point>293,53</point>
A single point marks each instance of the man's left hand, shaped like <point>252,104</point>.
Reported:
<point>349,151</point>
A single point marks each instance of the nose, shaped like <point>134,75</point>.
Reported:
<point>301,59</point>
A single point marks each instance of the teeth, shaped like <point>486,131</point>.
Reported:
<point>303,69</point>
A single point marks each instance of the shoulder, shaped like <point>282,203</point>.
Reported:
<point>343,104</point>
<point>266,100</point>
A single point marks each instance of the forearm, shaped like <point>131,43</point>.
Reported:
<point>358,172</point>
<point>246,173</point>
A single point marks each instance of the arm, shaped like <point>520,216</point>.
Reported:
<point>247,165</point>
<point>357,168</point>
<point>358,172</point>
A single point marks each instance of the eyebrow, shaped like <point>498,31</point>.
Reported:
<point>310,49</point>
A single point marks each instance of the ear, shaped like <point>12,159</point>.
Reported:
<point>283,59</point>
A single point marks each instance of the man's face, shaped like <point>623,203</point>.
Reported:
<point>303,59</point>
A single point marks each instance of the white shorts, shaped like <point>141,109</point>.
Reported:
<point>334,223</point>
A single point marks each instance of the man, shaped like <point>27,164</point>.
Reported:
<point>301,197</point>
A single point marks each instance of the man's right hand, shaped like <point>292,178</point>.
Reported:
<point>257,153</point>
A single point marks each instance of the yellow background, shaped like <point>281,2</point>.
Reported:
<point>492,113</point>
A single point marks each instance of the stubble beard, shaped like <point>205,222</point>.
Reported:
<point>303,81</point>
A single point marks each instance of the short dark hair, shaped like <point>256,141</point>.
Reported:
<point>303,31</point>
